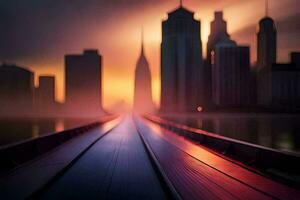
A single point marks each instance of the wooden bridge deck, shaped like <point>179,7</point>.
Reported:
<point>134,158</point>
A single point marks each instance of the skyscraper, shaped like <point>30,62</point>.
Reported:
<point>142,85</point>
<point>231,74</point>
<point>266,56</point>
<point>181,62</point>
<point>218,32</point>
<point>83,81</point>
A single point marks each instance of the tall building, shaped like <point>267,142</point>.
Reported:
<point>83,81</point>
<point>286,85</point>
<point>266,56</point>
<point>181,63</point>
<point>45,93</point>
<point>142,86</point>
<point>231,74</point>
<point>218,32</point>
<point>16,88</point>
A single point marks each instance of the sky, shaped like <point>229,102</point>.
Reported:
<point>37,34</point>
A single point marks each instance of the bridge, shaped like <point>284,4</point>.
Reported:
<point>134,157</point>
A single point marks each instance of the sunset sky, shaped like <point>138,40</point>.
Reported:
<point>37,34</point>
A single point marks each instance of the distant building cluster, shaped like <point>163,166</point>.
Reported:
<point>83,88</point>
<point>226,79</point>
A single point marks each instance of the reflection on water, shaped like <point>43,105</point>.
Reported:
<point>59,125</point>
<point>278,132</point>
<point>16,130</point>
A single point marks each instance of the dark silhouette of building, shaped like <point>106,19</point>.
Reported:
<point>286,85</point>
<point>278,85</point>
<point>45,93</point>
<point>295,58</point>
<point>218,32</point>
<point>16,88</point>
<point>142,86</point>
<point>231,74</point>
<point>181,63</point>
<point>266,56</point>
<point>83,81</point>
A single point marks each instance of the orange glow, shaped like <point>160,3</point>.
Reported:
<point>205,31</point>
<point>59,125</point>
<point>212,57</point>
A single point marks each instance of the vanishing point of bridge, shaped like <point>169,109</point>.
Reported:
<point>131,157</point>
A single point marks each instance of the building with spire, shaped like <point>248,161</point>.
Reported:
<point>278,84</point>
<point>142,102</point>
<point>266,56</point>
<point>181,62</point>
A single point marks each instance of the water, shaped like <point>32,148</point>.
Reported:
<point>280,132</point>
<point>17,130</point>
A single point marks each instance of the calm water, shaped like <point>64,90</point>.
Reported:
<point>16,130</point>
<point>278,132</point>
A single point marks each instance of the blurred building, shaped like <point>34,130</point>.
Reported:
<point>218,32</point>
<point>83,81</point>
<point>181,63</point>
<point>286,85</point>
<point>16,88</point>
<point>142,85</point>
<point>45,93</point>
<point>266,56</point>
<point>295,58</point>
<point>231,75</point>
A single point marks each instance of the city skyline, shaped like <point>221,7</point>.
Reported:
<point>150,99</point>
<point>114,81</point>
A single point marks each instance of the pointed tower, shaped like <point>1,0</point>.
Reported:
<point>266,56</point>
<point>142,86</point>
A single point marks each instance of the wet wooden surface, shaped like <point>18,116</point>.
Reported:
<point>199,174</point>
<point>29,177</point>
<point>114,163</point>
<point>116,167</point>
